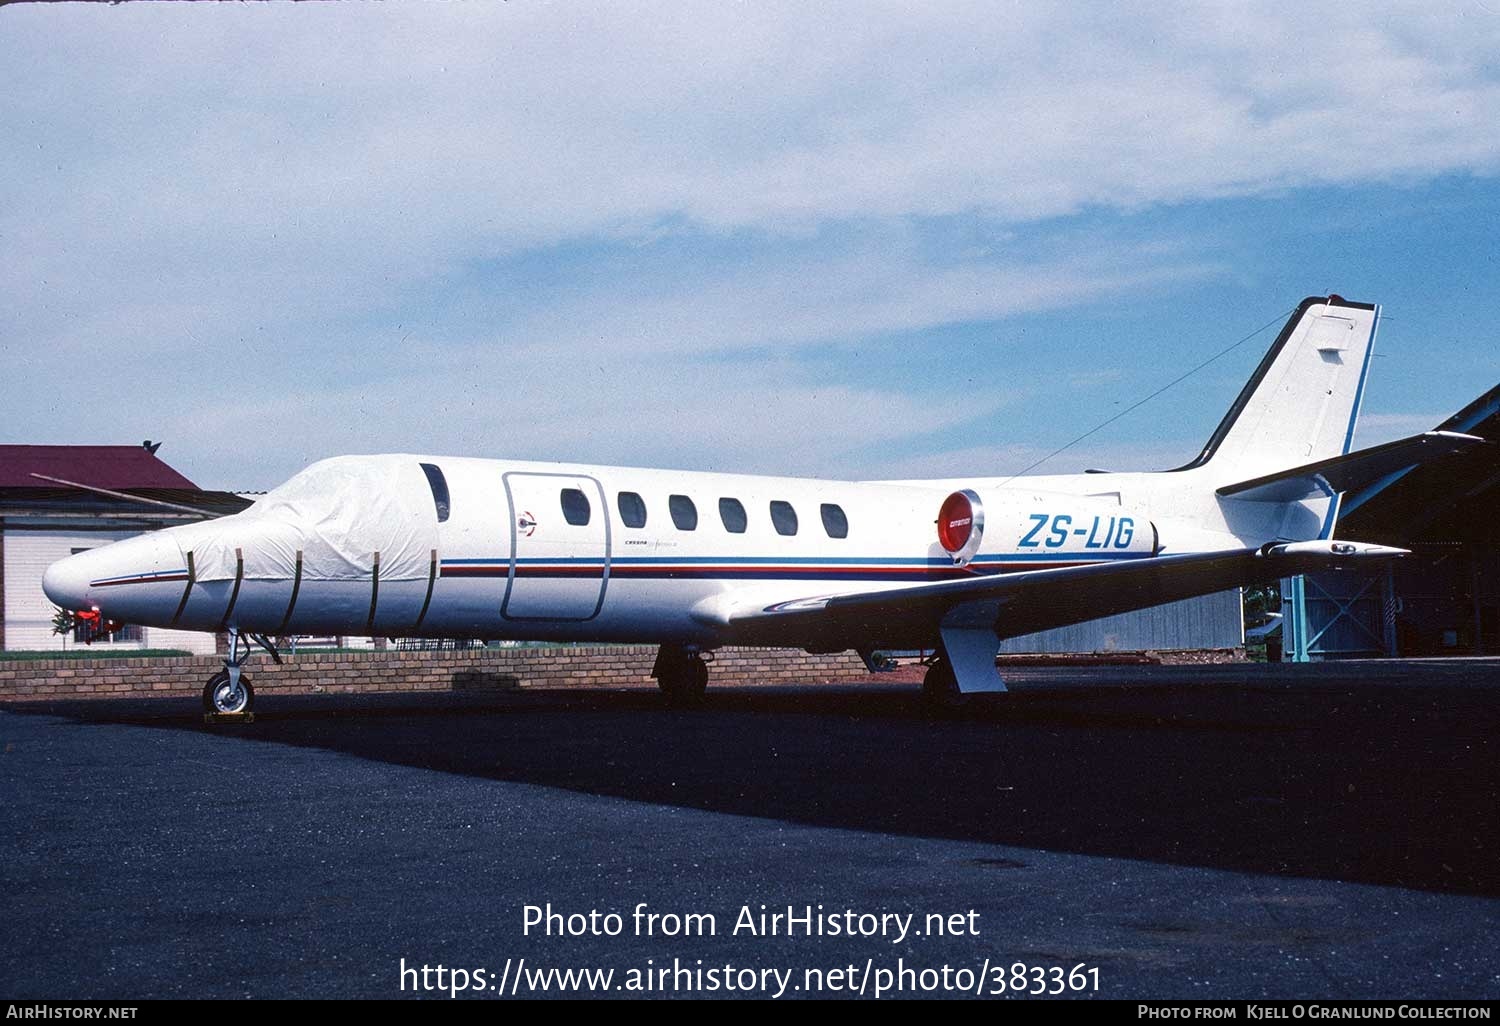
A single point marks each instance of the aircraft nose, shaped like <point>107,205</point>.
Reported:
<point>120,572</point>
<point>66,582</point>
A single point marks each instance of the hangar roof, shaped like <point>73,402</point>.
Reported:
<point>103,466</point>
<point>144,482</point>
<point>1452,499</point>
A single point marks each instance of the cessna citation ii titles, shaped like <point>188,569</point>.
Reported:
<point>446,547</point>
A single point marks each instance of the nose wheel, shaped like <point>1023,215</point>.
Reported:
<point>224,697</point>
<point>228,692</point>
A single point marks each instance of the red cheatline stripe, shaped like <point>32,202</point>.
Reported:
<point>764,570</point>
<point>143,579</point>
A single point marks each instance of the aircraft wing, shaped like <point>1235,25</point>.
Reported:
<point>1007,605</point>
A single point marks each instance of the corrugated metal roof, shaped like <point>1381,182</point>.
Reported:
<point>119,467</point>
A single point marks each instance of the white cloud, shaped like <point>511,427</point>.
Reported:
<point>804,300</point>
<point>402,139</point>
<point>1027,458</point>
<point>961,109</point>
<point>211,193</point>
<point>747,420</point>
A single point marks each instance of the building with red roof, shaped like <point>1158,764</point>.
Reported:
<point>123,467</point>
<point>56,500</point>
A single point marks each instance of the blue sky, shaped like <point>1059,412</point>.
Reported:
<point>868,240</point>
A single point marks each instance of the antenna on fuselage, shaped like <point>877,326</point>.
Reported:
<point>130,498</point>
<point>1278,319</point>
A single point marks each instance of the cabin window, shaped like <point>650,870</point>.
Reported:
<point>732,512</point>
<point>834,521</point>
<point>632,509</point>
<point>684,513</point>
<point>783,517</point>
<point>439,486</point>
<point>575,507</point>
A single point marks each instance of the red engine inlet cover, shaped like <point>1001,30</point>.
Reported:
<point>955,522</point>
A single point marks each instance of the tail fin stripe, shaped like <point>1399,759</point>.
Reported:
<point>1364,373</point>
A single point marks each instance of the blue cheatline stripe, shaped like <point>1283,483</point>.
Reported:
<point>771,568</point>
<point>1089,555</point>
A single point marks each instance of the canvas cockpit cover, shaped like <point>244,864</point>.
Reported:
<point>338,513</point>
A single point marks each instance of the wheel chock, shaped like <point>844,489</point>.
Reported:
<point>239,717</point>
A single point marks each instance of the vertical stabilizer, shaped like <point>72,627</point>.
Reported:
<point>1301,404</point>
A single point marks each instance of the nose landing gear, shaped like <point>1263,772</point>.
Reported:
<point>225,696</point>
<point>228,693</point>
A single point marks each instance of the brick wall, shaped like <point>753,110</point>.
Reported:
<point>482,670</point>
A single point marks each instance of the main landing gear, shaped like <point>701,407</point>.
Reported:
<point>228,692</point>
<point>681,673</point>
<point>940,685</point>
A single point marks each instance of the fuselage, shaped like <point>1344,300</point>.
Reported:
<point>405,545</point>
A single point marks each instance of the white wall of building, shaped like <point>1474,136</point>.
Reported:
<point>28,614</point>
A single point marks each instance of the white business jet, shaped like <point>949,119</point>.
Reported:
<point>429,546</point>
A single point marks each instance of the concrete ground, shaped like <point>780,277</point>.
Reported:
<point>1241,831</point>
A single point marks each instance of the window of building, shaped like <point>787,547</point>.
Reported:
<point>684,513</point>
<point>834,521</point>
<point>783,517</point>
<point>575,507</point>
<point>85,633</point>
<point>439,486</point>
<point>632,509</point>
<point>732,512</point>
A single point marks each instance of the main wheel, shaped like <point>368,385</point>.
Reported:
<point>697,678</point>
<point>685,682</point>
<point>219,697</point>
<point>940,686</point>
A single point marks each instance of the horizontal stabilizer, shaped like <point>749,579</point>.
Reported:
<point>1345,473</point>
